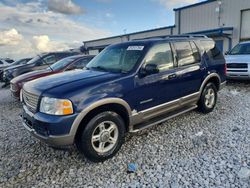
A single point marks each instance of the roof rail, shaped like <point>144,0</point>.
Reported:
<point>187,36</point>
<point>147,38</point>
<point>172,36</point>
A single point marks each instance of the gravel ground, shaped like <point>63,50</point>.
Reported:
<point>192,150</point>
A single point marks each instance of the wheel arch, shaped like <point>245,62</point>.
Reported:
<point>111,104</point>
<point>214,78</point>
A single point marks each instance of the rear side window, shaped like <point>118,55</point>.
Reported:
<point>212,50</point>
<point>82,63</point>
<point>160,55</point>
<point>185,53</point>
<point>50,59</point>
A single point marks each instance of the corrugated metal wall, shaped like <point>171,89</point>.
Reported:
<point>198,18</point>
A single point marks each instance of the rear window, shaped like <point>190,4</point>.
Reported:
<point>211,49</point>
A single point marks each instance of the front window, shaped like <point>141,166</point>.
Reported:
<point>161,56</point>
<point>241,49</point>
<point>117,58</point>
<point>59,65</point>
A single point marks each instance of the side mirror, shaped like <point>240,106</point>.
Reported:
<point>149,69</point>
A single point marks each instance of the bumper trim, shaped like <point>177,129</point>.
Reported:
<point>51,140</point>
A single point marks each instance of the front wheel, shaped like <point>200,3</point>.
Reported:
<point>102,137</point>
<point>208,99</point>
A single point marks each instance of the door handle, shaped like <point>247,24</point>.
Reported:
<point>172,76</point>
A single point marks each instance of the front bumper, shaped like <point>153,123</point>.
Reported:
<point>53,130</point>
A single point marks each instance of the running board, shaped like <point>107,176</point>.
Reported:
<point>161,118</point>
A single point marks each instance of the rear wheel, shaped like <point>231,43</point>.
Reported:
<point>208,98</point>
<point>102,137</point>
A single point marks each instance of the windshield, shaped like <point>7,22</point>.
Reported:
<point>61,64</point>
<point>117,59</point>
<point>34,59</point>
<point>20,62</point>
<point>241,49</point>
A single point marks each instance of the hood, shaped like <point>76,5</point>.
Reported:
<point>3,66</point>
<point>31,76</point>
<point>14,67</point>
<point>237,58</point>
<point>69,81</point>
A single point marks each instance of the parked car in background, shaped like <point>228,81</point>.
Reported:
<point>18,62</point>
<point>3,64</point>
<point>238,61</point>
<point>126,88</point>
<point>8,60</point>
<point>66,64</point>
<point>39,62</point>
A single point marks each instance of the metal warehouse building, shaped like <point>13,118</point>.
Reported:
<point>226,21</point>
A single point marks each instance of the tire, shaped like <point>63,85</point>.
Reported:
<point>98,141</point>
<point>208,99</point>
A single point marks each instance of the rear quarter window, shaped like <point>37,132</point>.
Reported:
<point>211,49</point>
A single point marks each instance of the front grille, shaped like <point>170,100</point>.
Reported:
<point>237,70</point>
<point>237,65</point>
<point>31,100</point>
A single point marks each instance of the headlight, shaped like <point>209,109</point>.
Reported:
<point>56,106</point>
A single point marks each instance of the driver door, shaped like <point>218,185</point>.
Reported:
<point>156,89</point>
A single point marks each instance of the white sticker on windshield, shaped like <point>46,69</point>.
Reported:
<point>135,48</point>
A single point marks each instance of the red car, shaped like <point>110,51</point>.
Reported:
<point>66,64</point>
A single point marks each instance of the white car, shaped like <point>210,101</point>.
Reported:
<point>238,61</point>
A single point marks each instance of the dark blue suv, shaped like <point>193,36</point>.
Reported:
<point>126,88</point>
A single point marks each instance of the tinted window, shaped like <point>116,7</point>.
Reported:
<point>160,55</point>
<point>59,65</point>
<point>195,51</point>
<point>211,50</point>
<point>49,59</point>
<point>1,62</point>
<point>185,54</point>
<point>35,59</point>
<point>82,62</point>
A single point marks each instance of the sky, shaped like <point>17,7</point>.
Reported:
<point>29,27</point>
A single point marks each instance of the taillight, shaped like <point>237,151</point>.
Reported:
<point>225,69</point>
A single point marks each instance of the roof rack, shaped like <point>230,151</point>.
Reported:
<point>187,36</point>
<point>150,38</point>
<point>172,36</point>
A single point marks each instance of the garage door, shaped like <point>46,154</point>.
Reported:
<point>245,26</point>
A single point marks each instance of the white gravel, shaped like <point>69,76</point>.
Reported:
<point>192,150</point>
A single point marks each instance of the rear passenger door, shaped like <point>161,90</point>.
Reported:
<point>190,71</point>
